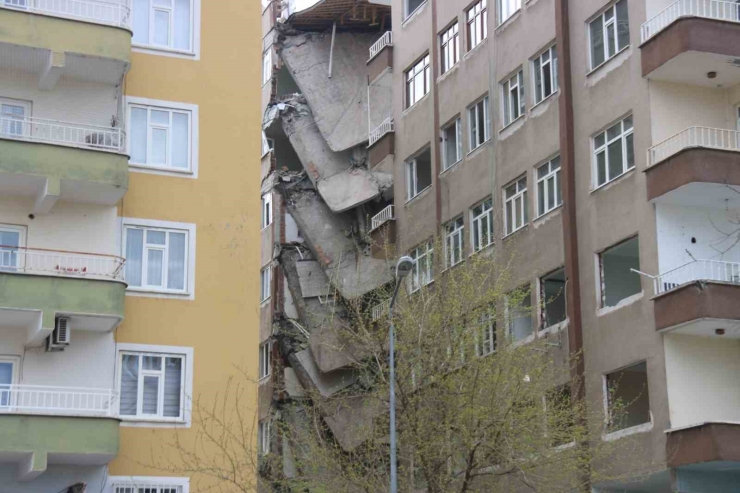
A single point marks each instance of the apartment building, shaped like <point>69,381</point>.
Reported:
<point>126,141</point>
<point>593,143</point>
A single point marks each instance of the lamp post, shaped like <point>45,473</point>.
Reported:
<point>403,268</point>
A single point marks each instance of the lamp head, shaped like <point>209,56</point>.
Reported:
<point>404,266</point>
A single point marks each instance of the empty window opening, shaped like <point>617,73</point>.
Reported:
<point>560,416</point>
<point>520,313</point>
<point>452,143</point>
<point>479,121</point>
<point>618,281</point>
<point>410,6</point>
<point>552,295</point>
<point>628,397</point>
<point>419,174</point>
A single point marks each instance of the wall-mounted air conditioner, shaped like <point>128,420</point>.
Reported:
<point>60,337</point>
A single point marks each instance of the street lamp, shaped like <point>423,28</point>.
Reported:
<point>403,268</point>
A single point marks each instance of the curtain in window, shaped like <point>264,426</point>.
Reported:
<point>134,252</point>
<point>129,384</point>
<point>180,140</point>
<point>138,132</point>
<point>172,387</point>
<point>141,21</point>
<point>150,396</point>
<point>182,25</point>
<point>176,262</point>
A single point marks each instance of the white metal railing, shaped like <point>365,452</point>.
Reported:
<point>62,133</point>
<point>381,217</point>
<point>711,138</point>
<point>41,399</point>
<point>380,309</point>
<point>98,11</point>
<point>39,261</point>
<point>697,270</point>
<point>385,40</point>
<point>378,132</point>
<point>710,9</point>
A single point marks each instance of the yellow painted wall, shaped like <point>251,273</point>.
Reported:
<point>222,323</point>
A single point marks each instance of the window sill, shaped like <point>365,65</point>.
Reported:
<point>473,151</point>
<point>523,342</point>
<point>160,170</point>
<point>265,227</point>
<point>452,166</point>
<point>475,48</point>
<point>412,14</point>
<point>265,302</point>
<point>606,62</point>
<point>633,430</point>
<point>416,104</point>
<point>448,72</point>
<point>508,21</point>
<point>415,197</point>
<point>553,329</point>
<point>264,379</point>
<point>511,123</point>
<point>163,50</point>
<point>421,287</point>
<point>629,300</point>
<point>544,100</point>
<point>482,250</point>
<point>141,421</point>
<point>154,293</point>
<point>515,232</point>
<point>614,180</point>
<point>547,213</point>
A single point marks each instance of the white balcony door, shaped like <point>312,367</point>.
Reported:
<point>11,238</point>
<point>7,378</point>
<point>12,115</point>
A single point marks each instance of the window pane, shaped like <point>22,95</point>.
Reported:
<point>156,237</point>
<point>599,140</point>
<point>129,384</point>
<point>614,131</point>
<point>481,119</point>
<point>161,27</point>
<point>541,197</point>
<point>537,80</point>
<point>615,159</point>
<point>601,168</point>
<point>9,256</point>
<point>176,262</point>
<point>172,387</point>
<point>526,208</point>
<point>597,42</point>
<point>152,363</point>
<point>623,25</point>
<point>547,76</point>
<point>134,252</point>
<point>138,130</point>
<point>550,193</point>
<point>154,267</point>
<point>611,40</point>
<point>630,152</point>
<point>159,146</point>
<point>141,21</point>
<point>180,140</point>
<point>150,400</point>
<point>182,25</point>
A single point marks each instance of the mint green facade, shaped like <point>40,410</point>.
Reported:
<point>53,295</point>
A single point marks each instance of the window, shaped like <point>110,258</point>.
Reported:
<point>507,8</point>
<point>477,17</point>
<point>545,69</point>
<point>265,353</point>
<point>263,436</point>
<point>13,116</point>
<point>164,24</point>
<point>11,238</point>
<point>418,81</point>
<point>487,342</point>
<point>157,259</point>
<point>267,144</point>
<point>519,306</point>
<point>162,137</point>
<point>452,144</point>
<point>152,385</point>
<point>552,298</point>
<point>418,174</point>
<point>479,123</point>
<point>454,244</point>
<point>482,225</point>
<point>410,6</point>
<point>560,418</point>
<point>266,210</point>
<point>628,398</point>
<point>515,206</point>
<point>618,280</point>
<point>422,272</point>
<point>8,377</point>
<point>267,66</point>
<point>614,153</point>
<point>549,195</point>
<point>513,97</point>
<point>609,33</point>
<point>450,47</point>
<point>129,484</point>
<point>265,280</point>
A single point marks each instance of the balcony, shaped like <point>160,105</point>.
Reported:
<point>81,39</point>
<point>379,310</point>
<point>381,56</point>
<point>43,425</point>
<point>37,286</point>
<point>381,142</point>
<point>690,39</point>
<point>695,167</point>
<point>383,233</point>
<point>54,160</point>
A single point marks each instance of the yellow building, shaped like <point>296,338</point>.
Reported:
<point>129,226</point>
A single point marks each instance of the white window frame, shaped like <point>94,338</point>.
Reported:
<point>509,111</point>
<point>15,361</point>
<point>550,65</point>
<point>420,68</point>
<point>457,123</point>
<point>477,222</point>
<point>450,47</point>
<point>154,49</point>
<point>505,9</point>
<point>511,316</point>
<point>412,182</point>
<point>117,484</point>
<point>487,336</point>
<point>454,231</point>
<point>27,108</point>
<point>605,25</point>
<point>265,360</point>
<point>266,66</point>
<point>406,13</point>
<point>417,280</point>
<point>171,106</point>
<point>476,20</point>
<point>642,427</point>
<point>264,436</point>
<point>268,144</point>
<point>474,123</point>
<point>623,134</point>
<point>145,421</point>
<point>267,210</point>
<point>21,230</point>
<point>189,230</point>
<point>513,224</point>
<point>265,283</point>
<point>543,192</point>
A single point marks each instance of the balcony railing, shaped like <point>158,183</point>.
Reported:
<point>378,132</point>
<point>39,261</point>
<point>62,133</point>
<point>697,270</point>
<point>709,9</point>
<point>380,309</point>
<point>100,12</point>
<point>710,138</point>
<point>385,40</point>
<point>48,400</point>
<point>381,217</point>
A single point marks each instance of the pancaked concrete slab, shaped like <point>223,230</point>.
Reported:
<point>351,420</point>
<point>313,281</point>
<point>309,374</point>
<point>340,102</point>
<point>331,340</point>
<point>292,385</point>
<point>353,187</point>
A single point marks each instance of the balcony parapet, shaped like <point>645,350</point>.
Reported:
<point>707,9</point>
<point>40,261</point>
<point>694,137</point>
<point>68,134</point>
<point>58,401</point>
<point>116,14</point>
<point>697,270</point>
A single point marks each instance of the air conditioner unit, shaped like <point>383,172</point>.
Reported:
<point>60,337</point>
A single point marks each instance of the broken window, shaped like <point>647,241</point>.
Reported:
<point>560,417</point>
<point>264,363</point>
<point>418,81</point>
<point>486,343</point>
<point>482,224</point>
<point>450,47</point>
<point>266,210</point>
<point>549,195</point>
<point>454,244</point>
<point>264,434</point>
<point>552,295</point>
<point>452,143</point>
<point>628,398</point>
<point>419,174</point>
<point>410,6</point>
<point>265,279</point>
<point>515,206</point>
<point>477,24</point>
<point>480,123</point>
<point>267,66</point>
<point>422,272</point>
<point>618,280</point>
<point>513,97</point>
<point>519,305</point>
<point>614,153</point>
